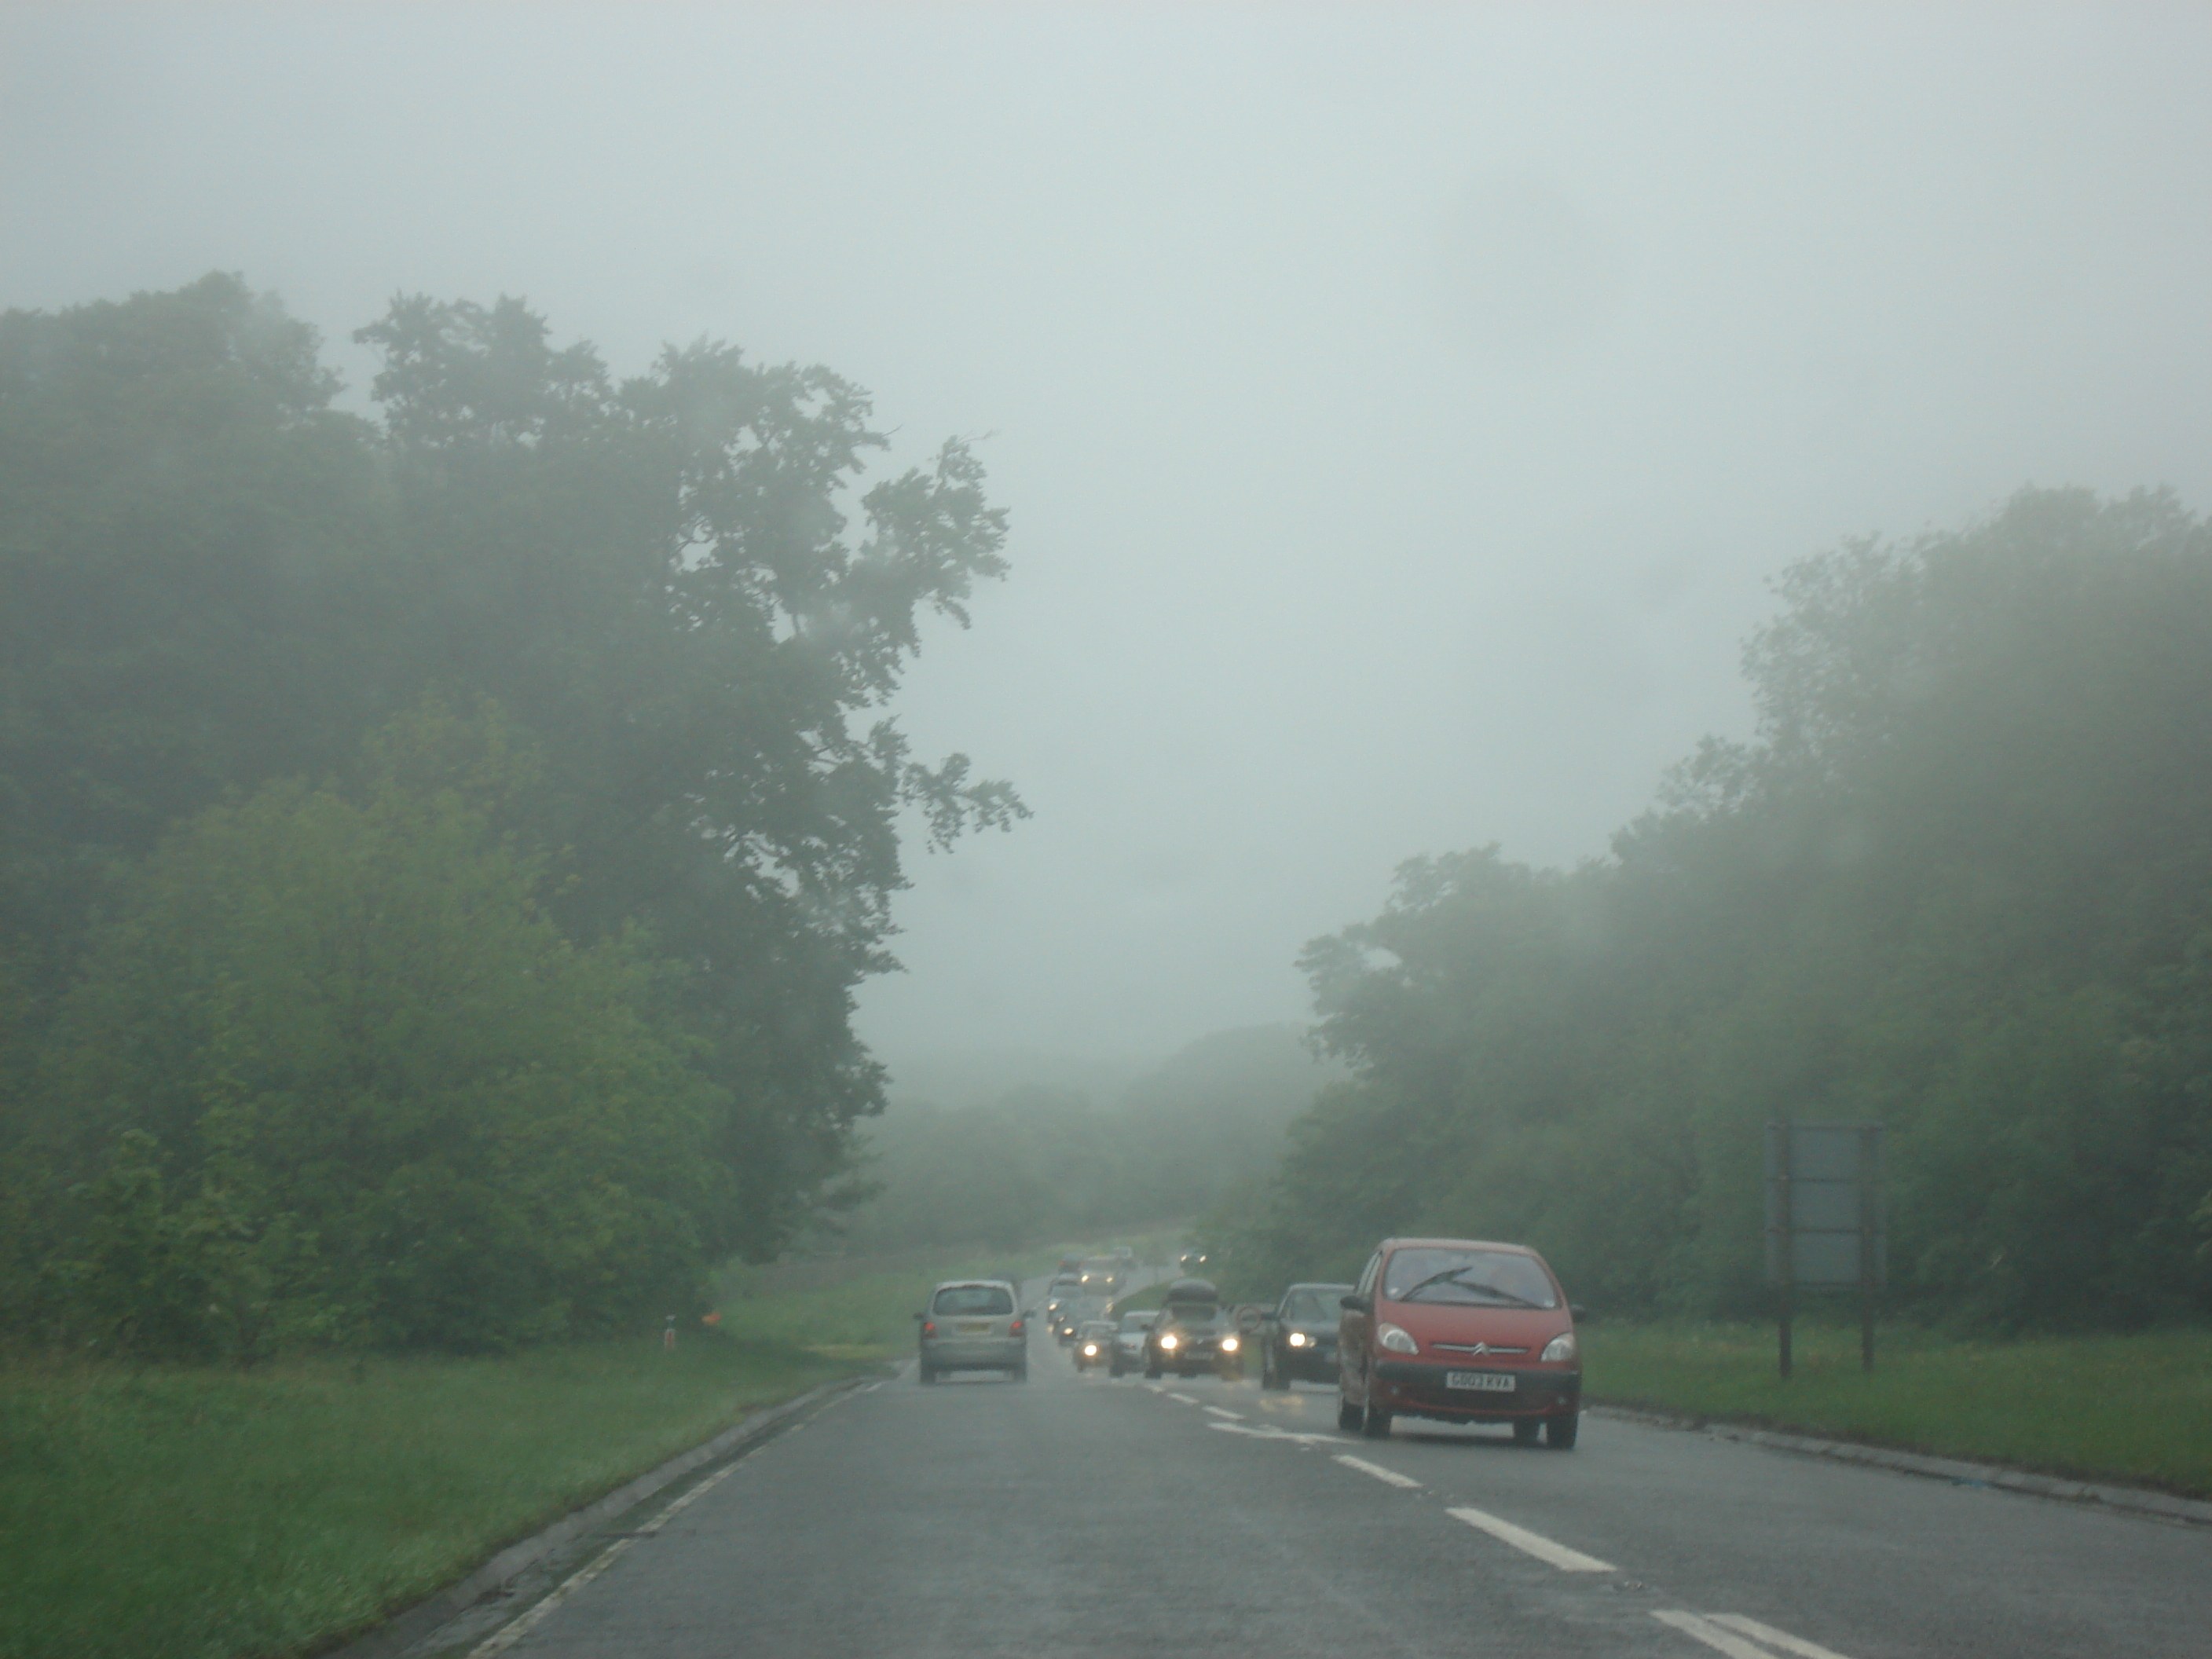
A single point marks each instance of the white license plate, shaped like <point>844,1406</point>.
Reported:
<point>974,1328</point>
<point>1495,1381</point>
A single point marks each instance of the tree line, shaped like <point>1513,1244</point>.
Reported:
<point>1959,882</point>
<point>437,850</point>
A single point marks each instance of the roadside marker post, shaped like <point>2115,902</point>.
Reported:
<point>1827,1226</point>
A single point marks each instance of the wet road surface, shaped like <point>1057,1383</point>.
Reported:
<point>1077,1515</point>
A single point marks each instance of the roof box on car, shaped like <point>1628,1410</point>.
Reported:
<point>1193,1290</point>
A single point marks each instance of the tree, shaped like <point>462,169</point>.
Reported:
<point>335,1073</point>
<point>187,529</point>
<point>209,581</point>
<point>1958,881</point>
<point>659,579</point>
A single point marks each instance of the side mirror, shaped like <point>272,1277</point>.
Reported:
<point>1354,1303</point>
<point>1577,1310</point>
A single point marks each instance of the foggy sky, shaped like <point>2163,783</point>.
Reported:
<point>1401,410</point>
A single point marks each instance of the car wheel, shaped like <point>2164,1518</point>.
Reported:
<point>1020,1373</point>
<point>1348,1415</point>
<point>1272,1375</point>
<point>1152,1370</point>
<point>1377,1423</point>
<point>928,1373</point>
<point>1559,1432</point>
<point>1527,1431</point>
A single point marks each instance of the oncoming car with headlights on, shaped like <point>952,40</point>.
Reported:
<point>1128,1351</point>
<point>1191,1335</point>
<point>1463,1331</point>
<point>973,1325</point>
<point>1058,1298</point>
<point>1094,1344</point>
<point>1299,1341</point>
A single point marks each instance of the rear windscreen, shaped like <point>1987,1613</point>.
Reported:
<point>1313,1307</point>
<point>975,1299</point>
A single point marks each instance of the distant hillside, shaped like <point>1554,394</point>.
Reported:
<point>1043,1154</point>
<point>979,1077</point>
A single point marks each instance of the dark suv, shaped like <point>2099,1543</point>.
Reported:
<point>1191,1335</point>
<point>1299,1339</point>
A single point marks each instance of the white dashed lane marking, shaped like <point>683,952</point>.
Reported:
<point>1391,1476</point>
<point>1269,1432</point>
<point>1536,1544</point>
<point>1734,1634</point>
<point>1723,1633</point>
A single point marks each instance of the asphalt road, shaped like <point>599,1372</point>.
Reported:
<point>1082,1515</point>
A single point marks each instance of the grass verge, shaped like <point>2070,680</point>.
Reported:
<point>202,1513</point>
<point>2133,1409</point>
<point>206,1514</point>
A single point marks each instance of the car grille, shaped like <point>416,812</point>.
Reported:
<point>1473,1347</point>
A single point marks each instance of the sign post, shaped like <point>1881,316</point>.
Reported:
<point>1826,1224</point>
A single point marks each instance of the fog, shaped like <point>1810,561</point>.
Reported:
<point>1401,412</point>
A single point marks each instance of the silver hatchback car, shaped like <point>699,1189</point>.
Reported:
<point>973,1325</point>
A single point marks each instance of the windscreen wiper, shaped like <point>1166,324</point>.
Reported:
<point>1452,1275</point>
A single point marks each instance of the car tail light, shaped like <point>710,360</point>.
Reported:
<point>929,1327</point>
<point>1014,1329</point>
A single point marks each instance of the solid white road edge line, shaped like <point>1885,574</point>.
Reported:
<point>508,1635</point>
<point>1223,1411</point>
<point>1186,1399</point>
<point>1710,1634</point>
<point>1542,1548</point>
<point>1392,1476</point>
<point>1776,1638</point>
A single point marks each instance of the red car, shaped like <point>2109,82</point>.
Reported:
<point>1463,1331</point>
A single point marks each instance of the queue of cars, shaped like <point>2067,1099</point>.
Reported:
<point>1454,1330</point>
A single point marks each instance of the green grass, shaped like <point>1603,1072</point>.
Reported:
<point>1151,1297</point>
<point>205,1513</point>
<point>198,1512</point>
<point>2133,1409</point>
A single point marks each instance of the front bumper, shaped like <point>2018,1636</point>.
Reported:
<point>1417,1389</point>
<point>1309,1363</point>
<point>1199,1357</point>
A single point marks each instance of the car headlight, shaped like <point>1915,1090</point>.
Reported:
<point>1396,1341</point>
<point>1090,1347</point>
<point>1561,1346</point>
<point>1229,1344</point>
<point>1167,1342</point>
<point>1297,1338</point>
